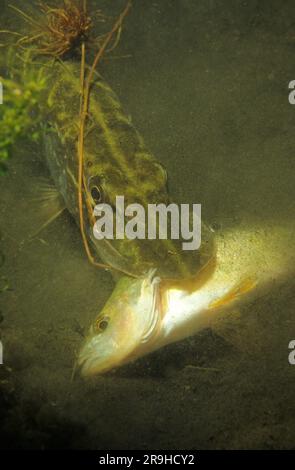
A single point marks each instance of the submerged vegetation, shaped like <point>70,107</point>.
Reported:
<point>61,28</point>
<point>19,113</point>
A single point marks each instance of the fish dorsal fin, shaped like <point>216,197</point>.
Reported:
<point>50,204</point>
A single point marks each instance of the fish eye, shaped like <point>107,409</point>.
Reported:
<point>95,189</point>
<point>102,324</point>
<point>96,194</point>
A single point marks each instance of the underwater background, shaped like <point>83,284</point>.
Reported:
<point>206,84</point>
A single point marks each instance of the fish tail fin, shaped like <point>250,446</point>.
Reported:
<point>242,288</point>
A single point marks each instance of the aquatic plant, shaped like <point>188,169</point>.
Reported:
<point>58,30</point>
<point>86,81</point>
<point>19,113</point>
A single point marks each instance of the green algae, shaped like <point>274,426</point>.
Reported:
<point>19,112</point>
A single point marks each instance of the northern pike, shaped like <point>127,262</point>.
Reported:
<point>116,163</point>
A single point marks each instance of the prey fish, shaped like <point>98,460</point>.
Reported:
<point>247,263</point>
<point>128,321</point>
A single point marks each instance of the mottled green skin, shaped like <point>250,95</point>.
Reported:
<point>116,156</point>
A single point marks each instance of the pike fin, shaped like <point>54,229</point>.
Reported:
<point>242,288</point>
<point>50,205</point>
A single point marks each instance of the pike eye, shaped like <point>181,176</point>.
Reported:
<point>95,189</point>
<point>96,194</point>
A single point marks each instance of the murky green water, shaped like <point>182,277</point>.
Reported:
<point>206,84</point>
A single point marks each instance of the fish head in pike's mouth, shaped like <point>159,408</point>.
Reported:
<point>125,325</point>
